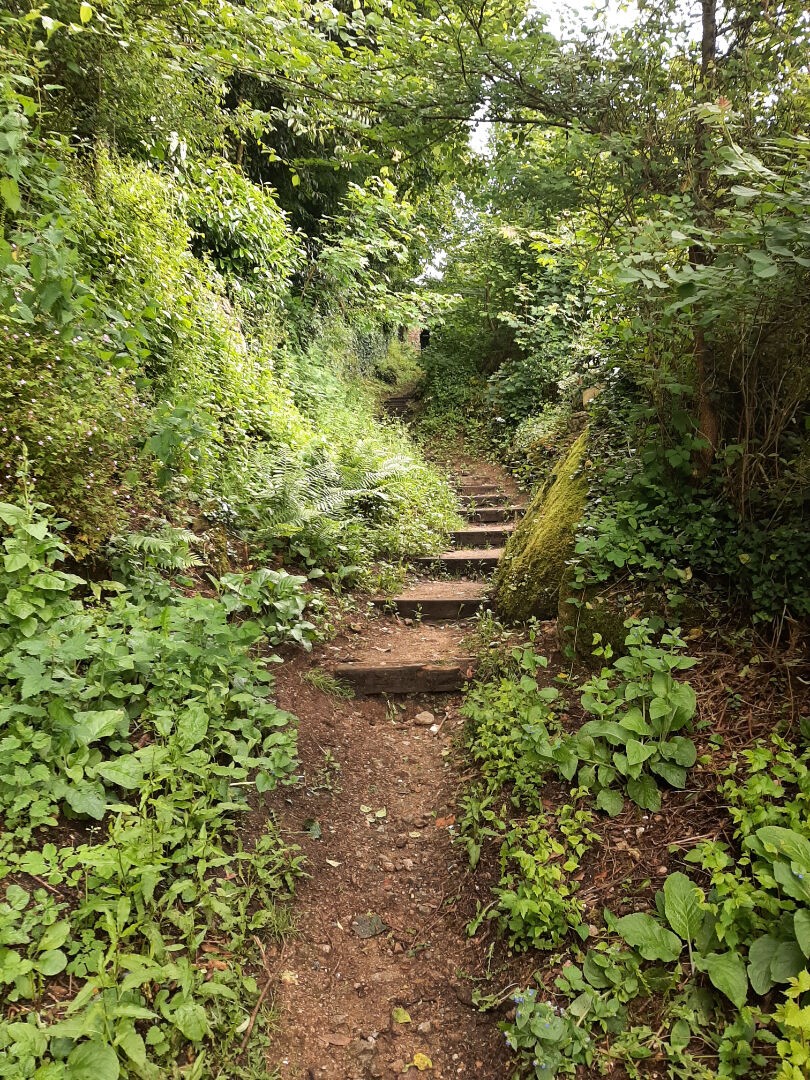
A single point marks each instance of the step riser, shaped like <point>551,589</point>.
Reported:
<point>474,501</point>
<point>491,538</point>
<point>484,565</point>
<point>430,609</point>
<point>490,515</point>
<point>406,678</point>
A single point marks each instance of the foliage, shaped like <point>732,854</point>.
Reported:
<point>151,716</point>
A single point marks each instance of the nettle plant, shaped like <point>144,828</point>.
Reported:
<point>640,708</point>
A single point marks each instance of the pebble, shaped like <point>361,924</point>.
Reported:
<point>424,719</point>
<point>401,841</point>
<point>424,1028</point>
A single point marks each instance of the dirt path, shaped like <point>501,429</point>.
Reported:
<point>378,979</point>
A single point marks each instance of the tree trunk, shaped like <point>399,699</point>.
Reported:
<point>707,419</point>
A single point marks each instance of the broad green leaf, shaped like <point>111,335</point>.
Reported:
<point>51,963</point>
<point>675,775</point>
<point>682,900</point>
<point>727,973</point>
<point>127,771</point>
<point>644,793</point>
<point>610,801</point>
<point>801,928</point>
<point>133,1046</point>
<point>191,1020</point>
<point>785,842</point>
<point>85,12</point>
<point>10,193</point>
<point>16,561</point>
<point>93,726</point>
<point>652,940</point>
<point>93,1060</point>
<point>760,956</point>
<point>788,960</point>
<point>637,752</point>
<point>86,799</point>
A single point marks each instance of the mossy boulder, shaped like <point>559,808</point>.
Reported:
<point>602,610</point>
<point>531,572</point>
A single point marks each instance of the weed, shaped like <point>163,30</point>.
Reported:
<point>328,684</point>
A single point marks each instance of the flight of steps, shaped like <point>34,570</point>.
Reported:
<point>424,651</point>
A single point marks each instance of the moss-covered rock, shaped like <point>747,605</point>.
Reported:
<point>602,610</point>
<point>531,572</point>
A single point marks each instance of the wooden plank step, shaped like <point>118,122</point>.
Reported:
<point>487,499</point>
<point>463,559</point>
<point>471,488</point>
<point>436,601</point>
<point>408,678</point>
<point>483,536</point>
<point>492,514</point>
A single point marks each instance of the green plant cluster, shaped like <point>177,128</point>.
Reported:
<point>140,725</point>
<point>722,961</point>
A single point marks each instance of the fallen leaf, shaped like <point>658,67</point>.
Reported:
<point>445,822</point>
<point>421,1062</point>
<point>289,976</point>
<point>366,809</point>
<point>400,1015</point>
<point>381,813</point>
<point>333,863</point>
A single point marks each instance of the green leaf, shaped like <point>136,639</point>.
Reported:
<point>191,1020</point>
<point>760,956</point>
<point>637,752</point>
<point>785,842</point>
<point>801,928</point>
<point>652,940</point>
<point>51,963</point>
<point>192,727</point>
<point>126,771</point>
<point>93,1060</point>
<point>10,193</point>
<point>610,801</point>
<point>16,561</point>
<point>788,960</point>
<point>644,793</point>
<point>682,750</point>
<point>727,974</point>
<point>133,1046</point>
<point>682,900</point>
<point>93,726</point>
<point>87,799</point>
<point>675,775</point>
<point>85,13</point>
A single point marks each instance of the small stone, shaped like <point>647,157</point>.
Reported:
<point>398,1065</point>
<point>435,729</point>
<point>401,841</point>
<point>387,866</point>
<point>464,994</point>
<point>662,870</point>
<point>424,719</point>
<point>424,1028</point>
<point>325,949</point>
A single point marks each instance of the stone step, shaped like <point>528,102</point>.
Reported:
<point>483,536</point>
<point>487,499</point>
<point>435,601</point>
<point>482,488</point>
<point>461,560</point>
<point>394,678</point>
<point>492,514</point>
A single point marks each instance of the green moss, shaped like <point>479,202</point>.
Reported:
<point>531,572</point>
<point>602,610</point>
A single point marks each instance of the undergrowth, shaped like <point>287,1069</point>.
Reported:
<point>707,975</point>
<point>133,727</point>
